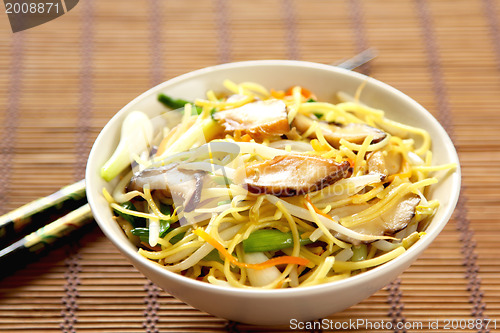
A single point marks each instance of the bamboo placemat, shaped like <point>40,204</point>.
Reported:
<point>63,80</point>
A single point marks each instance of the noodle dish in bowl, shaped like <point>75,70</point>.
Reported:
<point>290,189</point>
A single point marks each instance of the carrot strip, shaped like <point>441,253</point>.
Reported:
<point>308,199</point>
<point>266,264</point>
<point>246,138</point>
<point>317,146</point>
<point>351,162</point>
<point>278,94</point>
<point>241,138</point>
<point>404,174</point>
<point>303,91</point>
<point>163,144</point>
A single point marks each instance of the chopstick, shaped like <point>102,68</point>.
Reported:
<point>358,60</point>
<point>19,240</point>
<point>37,213</point>
<point>38,241</point>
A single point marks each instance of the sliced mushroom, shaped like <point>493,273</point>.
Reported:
<point>376,164</point>
<point>353,132</point>
<point>259,119</point>
<point>184,186</point>
<point>388,223</point>
<point>393,162</point>
<point>293,174</point>
<point>384,163</point>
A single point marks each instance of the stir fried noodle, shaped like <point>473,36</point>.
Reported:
<point>271,189</point>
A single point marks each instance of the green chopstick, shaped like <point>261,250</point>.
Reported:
<point>48,234</point>
<point>39,212</point>
<point>21,241</point>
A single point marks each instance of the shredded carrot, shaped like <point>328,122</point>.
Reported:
<point>308,200</point>
<point>303,91</point>
<point>266,264</point>
<point>164,142</point>
<point>318,146</point>
<point>238,137</point>
<point>162,146</point>
<point>279,94</point>
<point>241,138</point>
<point>280,284</point>
<point>351,162</point>
<point>246,138</point>
<point>401,175</point>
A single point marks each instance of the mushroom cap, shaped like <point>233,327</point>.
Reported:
<point>353,132</point>
<point>293,174</point>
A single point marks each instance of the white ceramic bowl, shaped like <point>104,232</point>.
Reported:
<point>276,306</point>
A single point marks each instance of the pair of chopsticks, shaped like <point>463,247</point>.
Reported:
<point>19,235</point>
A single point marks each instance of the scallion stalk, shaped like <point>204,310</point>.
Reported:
<point>213,256</point>
<point>270,240</point>
<point>135,221</point>
<point>176,103</point>
<point>359,252</point>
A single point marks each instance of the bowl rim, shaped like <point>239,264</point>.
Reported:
<point>374,273</point>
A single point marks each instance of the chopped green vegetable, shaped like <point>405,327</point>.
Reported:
<point>134,220</point>
<point>212,112</point>
<point>270,240</point>
<point>178,103</point>
<point>165,209</point>
<point>177,238</point>
<point>142,233</point>
<point>359,252</point>
<point>165,224</point>
<point>317,114</point>
<point>223,202</point>
<point>171,102</point>
<point>213,256</point>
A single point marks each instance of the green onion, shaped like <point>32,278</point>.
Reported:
<point>359,252</point>
<point>270,240</point>
<point>177,238</point>
<point>178,103</point>
<point>134,220</point>
<point>142,233</point>
<point>165,224</point>
<point>212,112</point>
<point>213,256</point>
<point>136,128</point>
<point>171,102</point>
